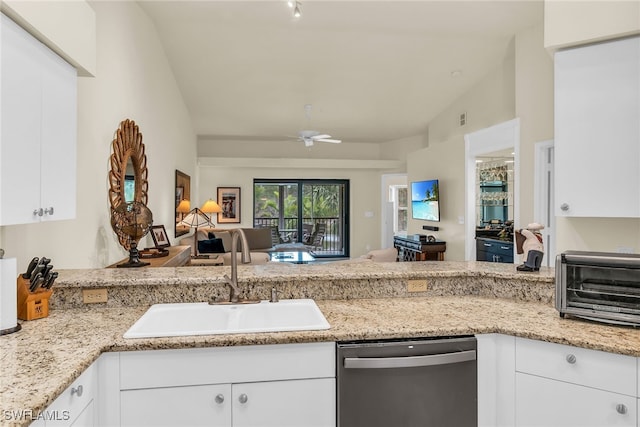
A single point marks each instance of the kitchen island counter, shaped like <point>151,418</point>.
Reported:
<point>40,361</point>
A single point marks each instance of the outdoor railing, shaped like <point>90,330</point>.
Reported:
<point>288,227</point>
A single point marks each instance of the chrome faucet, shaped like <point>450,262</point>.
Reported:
<point>236,233</point>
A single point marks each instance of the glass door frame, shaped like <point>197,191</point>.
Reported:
<point>344,221</point>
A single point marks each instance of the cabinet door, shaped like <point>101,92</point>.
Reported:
<point>296,403</point>
<point>58,141</point>
<point>204,405</point>
<point>20,125</point>
<point>597,118</point>
<point>39,127</point>
<point>545,402</point>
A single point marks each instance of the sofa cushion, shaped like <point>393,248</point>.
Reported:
<point>382,255</point>
<point>258,238</point>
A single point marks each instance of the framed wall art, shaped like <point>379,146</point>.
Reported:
<point>229,201</point>
<point>183,192</point>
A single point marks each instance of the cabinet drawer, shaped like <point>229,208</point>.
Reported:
<point>606,371</point>
<point>166,368</point>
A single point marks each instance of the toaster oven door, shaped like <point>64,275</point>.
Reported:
<point>599,286</point>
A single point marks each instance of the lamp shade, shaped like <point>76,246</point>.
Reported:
<point>184,206</point>
<point>210,206</point>
<point>196,218</point>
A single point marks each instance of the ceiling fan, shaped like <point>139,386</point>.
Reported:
<point>311,136</point>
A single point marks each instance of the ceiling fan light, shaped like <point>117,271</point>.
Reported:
<point>291,3</point>
<point>296,12</point>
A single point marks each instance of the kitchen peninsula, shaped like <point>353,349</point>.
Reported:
<point>360,301</point>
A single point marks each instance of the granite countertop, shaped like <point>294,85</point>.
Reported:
<point>39,362</point>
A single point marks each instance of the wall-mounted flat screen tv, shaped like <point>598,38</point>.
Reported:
<point>425,200</point>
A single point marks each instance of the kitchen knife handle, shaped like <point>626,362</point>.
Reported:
<point>30,268</point>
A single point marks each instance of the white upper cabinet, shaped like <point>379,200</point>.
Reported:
<point>38,129</point>
<point>597,130</point>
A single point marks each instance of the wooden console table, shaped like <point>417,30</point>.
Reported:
<point>415,250</point>
<point>178,256</point>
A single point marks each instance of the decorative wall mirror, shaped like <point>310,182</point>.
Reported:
<point>183,201</point>
<point>128,175</point>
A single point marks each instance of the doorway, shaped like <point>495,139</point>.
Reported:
<point>498,138</point>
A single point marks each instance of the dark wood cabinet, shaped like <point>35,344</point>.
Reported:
<point>494,250</point>
<point>410,249</point>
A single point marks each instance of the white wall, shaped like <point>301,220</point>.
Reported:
<point>490,102</point>
<point>534,107</point>
<point>67,27</point>
<point>570,23</point>
<point>133,80</point>
<point>364,193</point>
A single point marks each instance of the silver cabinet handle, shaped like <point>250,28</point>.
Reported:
<point>38,212</point>
<point>564,207</point>
<point>219,398</point>
<point>408,362</point>
<point>77,390</point>
<point>621,408</point>
<point>48,211</point>
<point>571,358</point>
<point>505,247</point>
<point>243,398</point>
<point>487,244</point>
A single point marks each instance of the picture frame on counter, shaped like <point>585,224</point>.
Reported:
<point>159,236</point>
<point>229,201</point>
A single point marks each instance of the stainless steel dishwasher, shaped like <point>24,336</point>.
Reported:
<point>416,382</point>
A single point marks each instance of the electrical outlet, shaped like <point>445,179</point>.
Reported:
<point>92,296</point>
<point>417,285</point>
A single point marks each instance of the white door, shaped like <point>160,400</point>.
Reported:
<point>545,402</point>
<point>296,403</point>
<point>204,405</point>
<point>544,199</point>
<point>20,123</point>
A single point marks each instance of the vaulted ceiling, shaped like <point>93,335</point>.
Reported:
<point>373,71</point>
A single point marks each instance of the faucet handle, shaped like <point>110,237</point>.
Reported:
<point>274,295</point>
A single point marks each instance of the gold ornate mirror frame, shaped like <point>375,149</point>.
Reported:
<point>127,154</point>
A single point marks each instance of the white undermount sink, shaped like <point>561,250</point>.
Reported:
<point>183,319</point>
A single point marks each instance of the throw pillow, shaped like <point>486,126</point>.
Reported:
<point>211,246</point>
<point>211,235</point>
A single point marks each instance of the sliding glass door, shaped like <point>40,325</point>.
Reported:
<point>313,213</point>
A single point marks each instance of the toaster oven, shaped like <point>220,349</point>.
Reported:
<point>599,286</point>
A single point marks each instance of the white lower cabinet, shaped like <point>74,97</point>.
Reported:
<point>264,385</point>
<point>545,402</point>
<point>560,385</point>
<point>272,403</point>
<point>204,405</point>
<point>75,406</point>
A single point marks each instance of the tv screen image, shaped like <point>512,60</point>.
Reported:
<point>425,200</point>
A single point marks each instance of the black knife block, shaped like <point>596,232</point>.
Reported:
<point>32,305</point>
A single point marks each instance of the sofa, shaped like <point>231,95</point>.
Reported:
<point>218,241</point>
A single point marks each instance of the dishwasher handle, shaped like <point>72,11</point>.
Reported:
<point>409,361</point>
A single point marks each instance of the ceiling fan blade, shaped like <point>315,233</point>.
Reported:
<point>323,136</point>
<point>334,141</point>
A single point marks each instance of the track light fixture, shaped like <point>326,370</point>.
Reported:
<point>296,10</point>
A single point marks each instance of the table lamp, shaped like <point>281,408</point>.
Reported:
<point>194,219</point>
<point>210,207</point>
